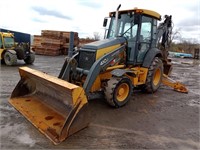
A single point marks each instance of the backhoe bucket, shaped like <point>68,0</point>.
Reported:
<point>56,107</point>
<point>167,68</point>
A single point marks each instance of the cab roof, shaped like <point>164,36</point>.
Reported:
<point>7,34</point>
<point>143,11</point>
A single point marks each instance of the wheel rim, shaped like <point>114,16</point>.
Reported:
<point>122,92</point>
<point>157,77</point>
<point>7,58</point>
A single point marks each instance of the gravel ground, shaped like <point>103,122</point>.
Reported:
<point>163,120</point>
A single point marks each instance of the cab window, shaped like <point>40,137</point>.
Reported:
<point>146,28</point>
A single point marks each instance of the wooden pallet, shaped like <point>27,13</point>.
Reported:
<point>53,42</point>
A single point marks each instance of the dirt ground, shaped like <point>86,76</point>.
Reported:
<point>163,120</point>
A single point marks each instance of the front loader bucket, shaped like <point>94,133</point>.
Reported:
<point>56,107</point>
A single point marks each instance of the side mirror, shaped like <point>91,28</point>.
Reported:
<point>105,22</point>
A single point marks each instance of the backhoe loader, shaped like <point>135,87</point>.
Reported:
<point>126,59</point>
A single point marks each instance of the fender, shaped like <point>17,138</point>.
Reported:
<point>11,51</point>
<point>151,54</point>
<point>121,72</point>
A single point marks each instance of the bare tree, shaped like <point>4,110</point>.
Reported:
<point>176,35</point>
<point>97,36</point>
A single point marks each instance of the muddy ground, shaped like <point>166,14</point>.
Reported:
<point>163,120</point>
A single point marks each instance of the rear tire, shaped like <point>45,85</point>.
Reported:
<point>118,91</point>
<point>10,59</point>
<point>30,59</point>
<point>154,76</point>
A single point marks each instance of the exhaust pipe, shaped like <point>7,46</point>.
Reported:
<point>116,20</point>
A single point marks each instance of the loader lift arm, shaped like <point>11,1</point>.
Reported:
<point>97,67</point>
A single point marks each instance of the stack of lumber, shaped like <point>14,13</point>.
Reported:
<point>37,41</point>
<point>53,42</point>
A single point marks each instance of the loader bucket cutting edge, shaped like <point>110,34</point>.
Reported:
<point>54,106</point>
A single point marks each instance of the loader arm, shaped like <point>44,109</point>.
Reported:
<point>69,64</point>
<point>100,65</point>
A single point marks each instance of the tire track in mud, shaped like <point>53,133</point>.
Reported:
<point>152,137</point>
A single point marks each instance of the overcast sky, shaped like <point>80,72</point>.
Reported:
<point>86,16</point>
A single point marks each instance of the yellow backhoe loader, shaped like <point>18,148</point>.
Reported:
<point>10,51</point>
<point>128,58</point>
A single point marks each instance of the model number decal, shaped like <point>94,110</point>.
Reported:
<point>104,61</point>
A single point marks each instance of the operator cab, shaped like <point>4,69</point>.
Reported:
<point>8,40</point>
<point>139,27</point>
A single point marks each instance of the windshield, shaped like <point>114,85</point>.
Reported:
<point>9,42</point>
<point>126,26</point>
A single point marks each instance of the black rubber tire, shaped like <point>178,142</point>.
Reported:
<point>155,71</point>
<point>111,91</point>
<point>2,61</point>
<point>10,59</point>
<point>20,52</point>
<point>30,59</point>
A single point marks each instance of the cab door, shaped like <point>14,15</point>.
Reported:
<point>145,38</point>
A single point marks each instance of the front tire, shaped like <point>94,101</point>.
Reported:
<point>154,76</point>
<point>118,91</point>
<point>10,59</point>
<point>30,59</point>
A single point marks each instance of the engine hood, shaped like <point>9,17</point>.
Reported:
<point>104,43</point>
